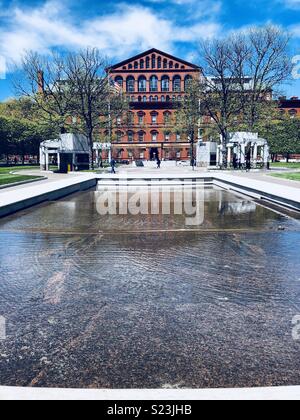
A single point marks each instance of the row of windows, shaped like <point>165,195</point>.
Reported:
<point>165,83</point>
<point>153,62</point>
<point>167,154</point>
<point>155,98</point>
<point>292,112</point>
<point>140,136</point>
<point>141,118</point>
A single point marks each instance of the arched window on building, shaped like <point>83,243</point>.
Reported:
<point>165,63</point>
<point>130,84</point>
<point>142,82</point>
<point>120,153</point>
<point>168,98</point>
<point>155,98</point>
<point>141,116</point>
<point>176,66</point>
<point>292,113</point>
<point>153,61</point>
<point>142,64</point>
<point>163,98</point>
<point>282,113</point>
<point>167,137</point>
<point>154,136</point>
<point>154,116</point>
<point>159,62</point>
<point>130,117</point>
<point>148,63</point>
<point>119,136</point>
<point>151,99</point>
<point>130,135</point>
<point>165,84</point>
<point>177,84</point>
<point>167,117</point>
<point>171,64</point>
<point>139,99</point>
<point>119,81</point>
<point>141,136</point>
<point>153,84</point>
<point>187,82</point>
<point>130,66</point>
<point>136,65</point>
<point>144,98</point>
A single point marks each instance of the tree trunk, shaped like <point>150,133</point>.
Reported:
<point>287,158</point>
<point>91,156</point>
<point>224,150</point>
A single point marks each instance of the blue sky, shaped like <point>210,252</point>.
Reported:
<point>121,29</point>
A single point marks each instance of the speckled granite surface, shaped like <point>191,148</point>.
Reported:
<point>120,302</point>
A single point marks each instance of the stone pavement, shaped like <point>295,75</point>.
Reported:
<point>55,187</point>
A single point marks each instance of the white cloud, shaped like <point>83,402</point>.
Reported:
<point>291,4</point>
<point>119,34</point>
<point>295,30</point>
<point>2,68</point>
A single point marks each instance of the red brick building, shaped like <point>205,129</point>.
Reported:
<point>290,106</point>
<point>154,83</point>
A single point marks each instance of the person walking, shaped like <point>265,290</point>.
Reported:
<point>248,163</point>
<point>113,166</point>
<point>235,162</point>
<point>158,163</point>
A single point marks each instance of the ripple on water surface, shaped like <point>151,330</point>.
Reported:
<point>145,301</point>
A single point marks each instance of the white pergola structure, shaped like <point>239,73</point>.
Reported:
<point>49,148</point>
<point>75,145</point>
<point>99,148</point>
<point>241,143</point>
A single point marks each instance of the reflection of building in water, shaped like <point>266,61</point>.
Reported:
<point>243,207</point>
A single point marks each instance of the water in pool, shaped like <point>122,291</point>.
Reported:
<point>146,301</point>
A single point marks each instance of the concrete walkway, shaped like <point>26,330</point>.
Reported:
<point>267,177</point>
<point>55,187</point>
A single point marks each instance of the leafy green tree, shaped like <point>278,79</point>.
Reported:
<point>5,139</point>
<point>283,137</point>
<point>22,128</point>
<point>72,91</point>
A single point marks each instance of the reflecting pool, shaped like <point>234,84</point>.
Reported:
<point>145,301</point>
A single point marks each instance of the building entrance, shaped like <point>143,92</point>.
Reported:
<point>154,153</point>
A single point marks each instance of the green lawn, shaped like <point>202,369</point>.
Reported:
<point>290,176</point>
<point>7,178</point>
<point>286,165</point>
<point>7,170</point>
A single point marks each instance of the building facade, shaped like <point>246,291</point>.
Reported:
<point>290,106</point>
<point>155,83</point>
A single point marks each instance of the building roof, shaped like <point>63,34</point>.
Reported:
<point>153,51</point>
<point>289,103</point>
